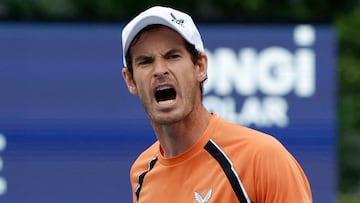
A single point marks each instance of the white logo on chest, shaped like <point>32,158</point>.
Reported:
<point>200,199</point>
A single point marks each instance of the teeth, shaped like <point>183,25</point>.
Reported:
<point>163,88</point>
<point>167,101</point>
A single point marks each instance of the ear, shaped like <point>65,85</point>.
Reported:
<point>128,78</point>
<point>202,67</point>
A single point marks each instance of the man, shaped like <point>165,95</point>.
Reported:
<point>199,157</point>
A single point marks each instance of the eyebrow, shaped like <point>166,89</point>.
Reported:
<point>172,51</point>
<point>143,57</point>
<point>151,57</point>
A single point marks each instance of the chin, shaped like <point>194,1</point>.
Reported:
<point>166,119</point>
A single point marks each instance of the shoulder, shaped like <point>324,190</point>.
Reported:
<point>259,149</point>
<point>265,165</point>
<point>241,137</point>
<point>141,163</point>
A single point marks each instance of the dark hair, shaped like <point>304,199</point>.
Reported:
<point>194,53</point>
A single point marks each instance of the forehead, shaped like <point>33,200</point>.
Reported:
<point>156,34</point>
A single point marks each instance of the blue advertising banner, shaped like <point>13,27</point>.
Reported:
<point>69,129</point>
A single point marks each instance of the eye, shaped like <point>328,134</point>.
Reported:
<point>144,61</point>
<point>173,56</point>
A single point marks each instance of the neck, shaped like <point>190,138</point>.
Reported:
<point>177,137</point>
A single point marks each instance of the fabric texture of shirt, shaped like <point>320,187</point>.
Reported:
<point>267,171</point>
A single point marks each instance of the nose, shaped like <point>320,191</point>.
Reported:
<point>160,68</point>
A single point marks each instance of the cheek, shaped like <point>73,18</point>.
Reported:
<point>138,78</point>
<point>191,74</point>
<point>141,84</point>
<point>189,80</point>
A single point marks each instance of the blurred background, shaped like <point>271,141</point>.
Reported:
<point>343,15</point>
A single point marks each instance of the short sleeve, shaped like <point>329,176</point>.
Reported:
<point>278,176</point>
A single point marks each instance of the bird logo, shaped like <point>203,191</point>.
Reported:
<point>177,21</point>
<point>200,199</point>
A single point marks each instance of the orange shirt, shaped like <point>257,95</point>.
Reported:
<point>265,169</point>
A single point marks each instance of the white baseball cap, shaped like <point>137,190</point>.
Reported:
<point>177,20</point>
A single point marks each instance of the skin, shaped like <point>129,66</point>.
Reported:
<point>159,59</point>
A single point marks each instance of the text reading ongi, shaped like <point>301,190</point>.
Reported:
<point>272,72</point>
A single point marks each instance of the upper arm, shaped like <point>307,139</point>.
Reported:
<point>279,177</point>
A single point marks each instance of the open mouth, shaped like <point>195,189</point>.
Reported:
<point>165,95</point>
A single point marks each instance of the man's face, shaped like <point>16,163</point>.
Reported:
<point>164,77</point>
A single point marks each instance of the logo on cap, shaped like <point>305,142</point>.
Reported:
<point>177,21</point>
